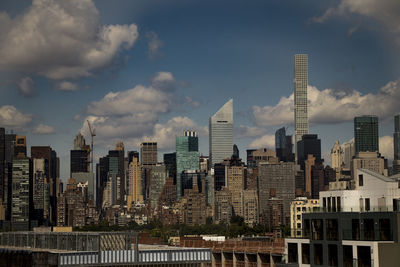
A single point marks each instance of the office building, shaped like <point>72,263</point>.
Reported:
<point>132,155</point>
<point>223,206</point>
<point>235,184</point>
<point>348,154</point>
<point>158,176</point>
<point>86,177</point>
<point>371,161</point>
<point>148,153</point>
<point>256,156</point>
<point>52,173</point>
<point>80,161</point>
<point>170,164</point>
<point>300,97</point>
<point>283,145</point>
<point>21,195</point>
<point>119,146</point>
<point>396,145</point>
<point>276,181</point>
<point>308,145</point>
<point>187,156</point>
<point>221,134</point>
<point>366,134</point>
<point>40,192</point>
<point>20,146</point>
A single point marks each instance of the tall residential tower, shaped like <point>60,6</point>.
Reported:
<point>396,144</point>
<point>221,134</point>
<point>300,96</point>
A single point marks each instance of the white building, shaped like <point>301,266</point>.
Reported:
<point>221,134</point>
<point>370,191</point>
<point>297,207</point>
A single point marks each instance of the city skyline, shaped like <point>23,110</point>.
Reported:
<point>50,100</point>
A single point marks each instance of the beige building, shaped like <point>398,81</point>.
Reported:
<point>222,206</point>
<point>235,184</point>
<point>297,207</point>
<point>135,187</point>
<point>372,161</point>
<point>337,158</point>
<point>250,207</point>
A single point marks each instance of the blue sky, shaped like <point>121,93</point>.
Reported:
<point>184,60</point>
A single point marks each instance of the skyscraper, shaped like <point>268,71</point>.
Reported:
<point>187,156</point>
<point>366,134</point>
<point>308,145</point>
<point>283,145</point>
<point>396,144</point>
<point>221,134</point>
<point>300,96</point>
<point>148,153</point>
<point>135,184</point>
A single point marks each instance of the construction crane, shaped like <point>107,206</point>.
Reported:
<point>92,134</point>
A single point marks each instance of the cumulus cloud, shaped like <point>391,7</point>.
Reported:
<point>26,87</point>
<point>43,129</point>
<point>243,131</point>
<point>386,146</point>
<point>266,140</point>
<point>332,106</point>
<point>165,133</point>
<point>11,117</point>
<point>386,12</point>
<point>67,86</point>
<point>154,45</point>
<point>132,113</point>
<point>61,39</point>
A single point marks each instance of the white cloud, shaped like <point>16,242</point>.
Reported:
<point>132,113</point>
<point>331,106</point>
<point>11,117</point>
<point>26,87</point>
<point>386,12</point>
<point>61,39</point>
<point>164,134</point>
<point>267,141</point>
<point>43,129</point>
<point>386,146</point>
<point>67,86</point>
<point>243,131</point>
<point>154,45</point>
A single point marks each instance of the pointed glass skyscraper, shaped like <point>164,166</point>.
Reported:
<point>221,134</point>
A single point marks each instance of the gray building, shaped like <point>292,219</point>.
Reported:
<point>158,176</point>
<point>148,153</point>
<point>221,134</point>
<point>366,134</point>
<point>300,96</point>
<point>276,180</point>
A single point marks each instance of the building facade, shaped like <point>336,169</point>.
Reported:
<point>366,134</point>
<point>221,134</point>
<point>300,96</point>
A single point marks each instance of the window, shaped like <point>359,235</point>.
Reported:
<point>305,253</point>
<point>332,230</point>
<point>367,204</point>
<point>347,256</point>
<point>332,255</point>
<point>384,230</point>
<point>317,229</point>
<point>318,254</point>
<point>298,217</point>
<point>355,229</point>
<point>368,229</point>
<point>360,180</point>
<point>364,256</point>
<point>292,251</point>
<point>338,204</point>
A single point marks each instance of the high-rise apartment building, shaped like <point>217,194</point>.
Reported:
<point>235,184</point>
<point>158,176</point>
<point>221,134</point>
<point>187,156</point>
<point>300,96</point>
<point>148,153</point>
<point>366,134</point>
<point>135,184</point>
<point>396,145</point>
